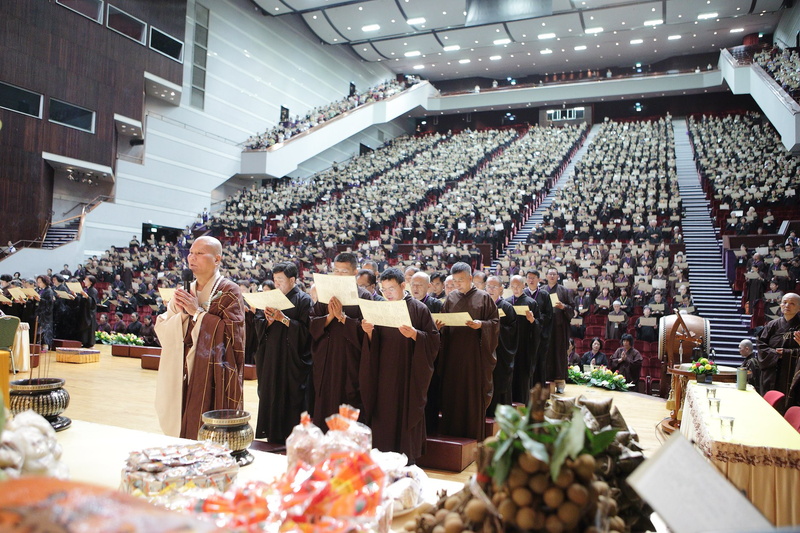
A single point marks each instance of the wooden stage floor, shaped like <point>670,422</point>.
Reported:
<point>118,392</point>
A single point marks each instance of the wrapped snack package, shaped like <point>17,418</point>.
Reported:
<point>305,443</point>
<point>28,446</point>
<point>345,433</point>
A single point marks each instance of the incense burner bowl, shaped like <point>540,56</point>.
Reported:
<point>45,396</point>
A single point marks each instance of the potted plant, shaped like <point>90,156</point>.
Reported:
<point>703,370</point>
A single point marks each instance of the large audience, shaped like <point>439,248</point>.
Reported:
<point>319,115</point>
<point>784,66</point>
<point>746,169</point>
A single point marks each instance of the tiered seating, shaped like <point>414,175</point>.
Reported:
<point>784,66</point>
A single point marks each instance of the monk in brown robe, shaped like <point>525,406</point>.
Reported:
<point>336,338</point>
<point>466,358</point>
<point>779,351</point>
<point>202,338</point>
<point>396,368</point>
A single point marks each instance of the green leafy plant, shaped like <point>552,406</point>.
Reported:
<point>118,338</point>
<point>551,441</point>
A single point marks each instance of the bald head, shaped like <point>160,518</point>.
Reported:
<point>420,283</point>
<point>790,305</point>
<point>213,246</point>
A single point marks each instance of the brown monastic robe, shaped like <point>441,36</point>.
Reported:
<point>395,374</point>
<point>335,353</point>
<point>466,363</point>
<point>216,379</point>
<point>780,371</point>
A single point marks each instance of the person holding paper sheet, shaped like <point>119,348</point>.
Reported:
<point>466,358</point>
<point>86,311</point>
<point>645,332</point>
<point>545,306</point>
<point>396,369</point>
<point>283,359</point>
<point>336,339</point>
<point>529,329</point>
<point>617,322</point>
<point>506,350</point>
<point>202,340</point>
<point>556,359</point>
<point>44,311</point>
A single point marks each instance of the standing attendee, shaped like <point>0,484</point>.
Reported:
<point>87,312</point>
<point>396,369</point>
<point>507,343</point>
<point>367,280</point>
<point>545,318</point>
<point>556,361</point>
<point>336,338</point>
<point>627,360</point>
<point>202,340</point>
<point>420,285</point>
<point>646,333</point>
<point>467,357</point>
<point>779,351</point>
<point>44,311</point>
<point>526,353</point>
<point>283,359</point>
<point>750,362</point>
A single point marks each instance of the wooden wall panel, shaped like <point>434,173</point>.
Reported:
<point>53,51</point>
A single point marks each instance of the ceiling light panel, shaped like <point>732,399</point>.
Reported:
<point>349,19</point>
<point>305,5</point>
<point>438,14</point>
<point>690,10</point>
<point>768,5</point>
<point>633,16</point>
<point>528,30</point>
<point>466,37</point>
<point>320,26</point>
<point>367,52</point>
<point>397,48</point>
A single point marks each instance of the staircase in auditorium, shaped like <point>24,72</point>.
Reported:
<point>711,292</point>
<point>536,217</point>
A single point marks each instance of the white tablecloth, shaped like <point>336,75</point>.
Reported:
<point>21,352</point>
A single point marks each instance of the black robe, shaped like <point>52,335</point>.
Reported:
<point>283,366</point>
<point>556,360</point>
<point>44,313</point>
<point>526,353</point>
<point>336,352</point>
<point>87,317</point>
<point>780,371</point>
<point>505,353</point>
<point>394,375</point>
<point>465,365</point>
<point>539,369</point>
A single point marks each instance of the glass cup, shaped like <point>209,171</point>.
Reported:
<point>726,423</point>
<point>713,406</point>
<point>711,392</point>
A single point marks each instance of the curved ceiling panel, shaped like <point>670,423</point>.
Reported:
<point>350,20</point>
<point>320,25</point>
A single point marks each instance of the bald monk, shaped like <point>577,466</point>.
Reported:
<point>202,340</point>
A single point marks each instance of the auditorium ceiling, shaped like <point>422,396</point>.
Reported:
<point>448,39</point>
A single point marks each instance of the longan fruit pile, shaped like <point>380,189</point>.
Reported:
<point>529,500</point>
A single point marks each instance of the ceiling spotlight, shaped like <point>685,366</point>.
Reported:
<point>580,47</point>
<point>419,67</point>
<point>706,16</point>
<point>737,30</point>
<point>543,36</point>
<point>674,37</point>
<point>636,41</point>
<point>413,53</point>
<point>545,51</point>
<point>654,22</point>
<point>502,41</point>
<point>591,31</point>
<point>451,48</point>
<point>463,61</point>
<point>371,27</point>
<point>495,58</point>
<point>416,21</point>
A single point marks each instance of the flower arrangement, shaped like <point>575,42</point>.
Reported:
<point>118,338</point>
<point>704,366</point>
<point>599,377</point>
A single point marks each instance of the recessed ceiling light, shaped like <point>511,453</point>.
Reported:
<point>543,36</point>
<point>451,48</point>
<point>580,47</point>
<point>419,67</point>
<point>463,61</point>
<point>636,41</point>
<point>598,29</point>
<point>495,58</point>
<point>706,16</point>
<point>545,51</point>
<point>654,22</point>
<point>415,21</point>
<point>674,37</point>
<point>413,53</point>
<point>737,30</point>
<point>371,27</point>
<point>502,41</point>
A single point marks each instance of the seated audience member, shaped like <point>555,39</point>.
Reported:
<point>750,362</point>
<point>594,357</point>
<point>646,333</point>
<point>135,327</point>
<point>627,360</point>
<point>615,330</point>
<point>103,325</point>
<point>573,358</point>
<point>119,325</point>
